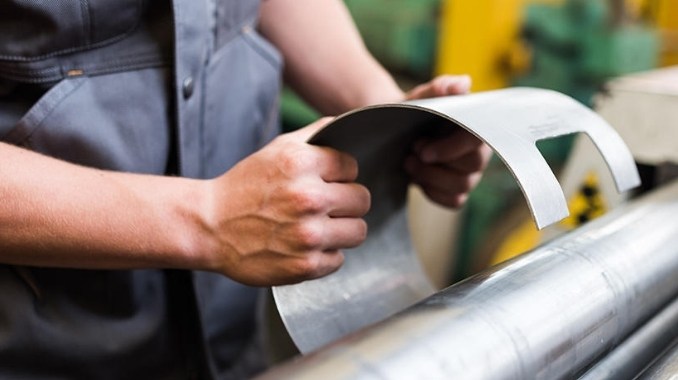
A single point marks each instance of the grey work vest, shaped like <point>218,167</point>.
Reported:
<point>151,86</point>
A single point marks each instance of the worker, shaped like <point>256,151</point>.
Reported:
<point>143,194</point>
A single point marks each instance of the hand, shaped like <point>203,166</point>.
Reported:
<point>443,85</point>
<point>447,169</point>
<point>283,214</point>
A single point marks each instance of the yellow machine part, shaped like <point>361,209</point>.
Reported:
<point>481,38</point>
<point>522,239</point>
<point>585,205</point>
<point>666,19</point>
<point>663,15</point>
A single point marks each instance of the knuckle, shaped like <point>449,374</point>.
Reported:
<point>306,200</point>
<point>459,200</point>
<point>466,184</point>
<point>295,161</point>
<point>308,235</point>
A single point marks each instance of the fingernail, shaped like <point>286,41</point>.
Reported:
<point>461,85</point>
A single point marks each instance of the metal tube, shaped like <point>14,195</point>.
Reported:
<point>548,314</point>
<point>640,349</point>
<point>666,366</point>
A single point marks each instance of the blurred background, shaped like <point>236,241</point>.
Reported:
<point>572,46</point>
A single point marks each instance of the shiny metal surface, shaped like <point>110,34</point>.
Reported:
<point>383,276</point>
<point>665,368</point>
<point>639,349</point>
<point>511,121</point>
<point>548,314</point>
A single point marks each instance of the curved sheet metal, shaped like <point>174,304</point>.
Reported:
<point>548,314</point>
<point>383,275</point>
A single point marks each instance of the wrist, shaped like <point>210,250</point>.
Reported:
<point>192,238</point>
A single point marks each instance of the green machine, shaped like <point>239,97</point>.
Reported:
<point>401,34</point>
<point>578,45</point>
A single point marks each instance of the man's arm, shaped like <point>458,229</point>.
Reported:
<point>53,213</point>
<point>325,58</point>
<point>279,216</point>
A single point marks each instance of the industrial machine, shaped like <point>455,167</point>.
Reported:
<point>597,302</point>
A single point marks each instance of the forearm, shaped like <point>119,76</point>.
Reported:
<point>325,58</point>
<point>53,213</point>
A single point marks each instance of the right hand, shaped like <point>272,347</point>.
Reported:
<point>283,214</point>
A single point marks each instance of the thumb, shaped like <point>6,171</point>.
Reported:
<point>443,85</point>
<point>305,133</point>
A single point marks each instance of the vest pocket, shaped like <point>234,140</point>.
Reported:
<point>119,121</point>
<point>20,133</point>
<point>264,48</point>
<point>36,29</point>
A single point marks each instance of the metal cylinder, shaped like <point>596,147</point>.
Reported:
<point>640,349</point>
<point>665,367</point>
<point>548,314</point>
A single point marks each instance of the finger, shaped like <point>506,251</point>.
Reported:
<point>336,200</point>
<point>322,233</point>
<point>343,233</point>
<point>442,86</point>
<point>448,148</point>
<point>440,177</point>
<point>471,162</point>
<point>318,264</point>
<point>445,198</point>
<point>347,200</point>
<point>335,166</point>
<point>332,261</point>
<point>455,84</point>
<point>296,269</point>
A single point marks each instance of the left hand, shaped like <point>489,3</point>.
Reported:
<point>447,169</point>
